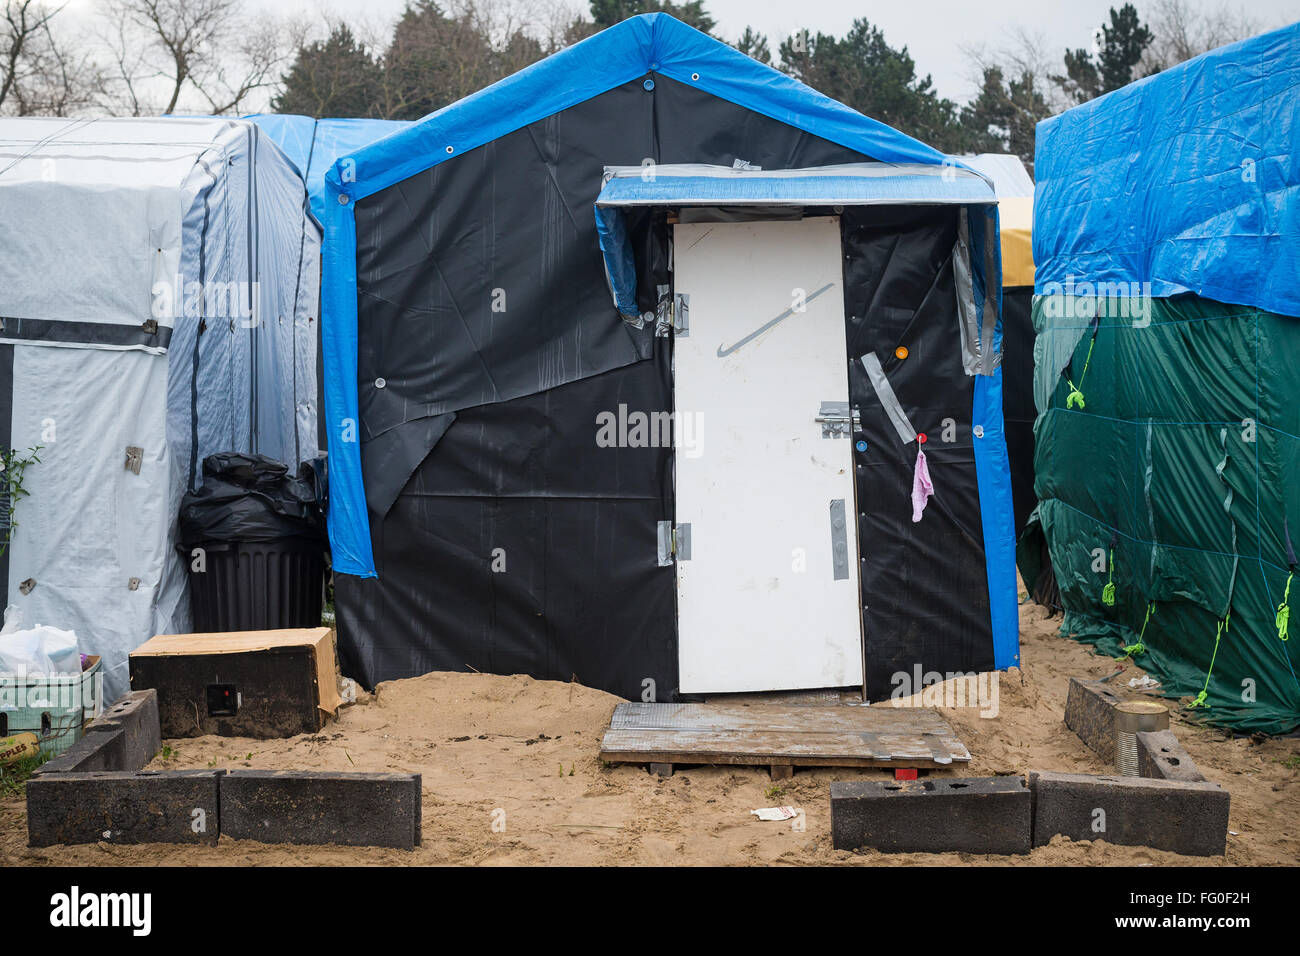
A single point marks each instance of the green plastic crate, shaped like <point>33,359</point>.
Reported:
<point>54,709</point>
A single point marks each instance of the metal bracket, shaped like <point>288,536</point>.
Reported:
<point>837,420</point>
<point>134,458</point>
<point>150,326</point>
<point>839,541</point>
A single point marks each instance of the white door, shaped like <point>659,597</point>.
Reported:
<point>768,594</point>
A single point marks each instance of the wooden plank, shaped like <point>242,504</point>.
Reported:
<point>880,719</point>
<point>781,735</point>
<point>761,747</point>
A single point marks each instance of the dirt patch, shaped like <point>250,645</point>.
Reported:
<point>522,753</point>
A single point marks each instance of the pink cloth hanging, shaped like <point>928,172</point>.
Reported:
<point>922,487</point>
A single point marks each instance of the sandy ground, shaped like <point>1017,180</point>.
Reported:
<point>486,744</point>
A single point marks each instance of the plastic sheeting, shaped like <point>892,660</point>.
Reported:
<point>1015,212</point>
<point>851,184</point>
<point>1176,481</point>
<point>1186,180</point>
<point>1172,475</point>
<point>1018,409</point>
<point>470,321</point>
<point>628,57</point>
<point>314,145</point>
<point>110,226</point>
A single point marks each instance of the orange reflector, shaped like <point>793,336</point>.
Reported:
<point>900,352</point>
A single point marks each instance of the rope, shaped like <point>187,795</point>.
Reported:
<point>1283,619</point>
<point>1133,650</point>
<point>1076,392</point>
<point>1218,634</point>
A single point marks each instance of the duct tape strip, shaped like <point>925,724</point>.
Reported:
<point>664,531</point>
<point>873,743</point>
<point>990,356</point>
<point>942,755</point>
<point>682,541</point>
<point>839,541</point>
<point>888,400</point>
<point>964,281</point>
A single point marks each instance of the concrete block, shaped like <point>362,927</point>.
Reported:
<point>135,715</point>
<point>118,807</point>
<point>312,807</point>
<point>93,752</point>
<point>1187,817</point>
<point>1090,713</point>
<point>959,815</point>
<point>1162,757</point>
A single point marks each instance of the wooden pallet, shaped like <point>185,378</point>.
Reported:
<point>780,736</point>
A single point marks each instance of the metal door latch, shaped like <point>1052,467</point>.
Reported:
<point>837,420</point>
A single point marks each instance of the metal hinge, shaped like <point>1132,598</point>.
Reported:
<point>837,420</point>
<point>134,458</point>
<point>674,542</point>
<point>682,314</point>
<point>663,315</point>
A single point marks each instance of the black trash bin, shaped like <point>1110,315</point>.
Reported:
<point>254,543</point>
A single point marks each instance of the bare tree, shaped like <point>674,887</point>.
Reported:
<point>1015,92</point>
<point>210,54</point>
<point>1182,32</point>
<point>39,71</point>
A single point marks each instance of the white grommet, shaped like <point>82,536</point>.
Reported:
<point>979,431</point>
<point>343,199</point>
<point>695,76</point>
<point>451,149</point>
<point>380,383</point>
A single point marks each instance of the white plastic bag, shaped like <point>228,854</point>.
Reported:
<point>38,650</point>
<point>21,653</point>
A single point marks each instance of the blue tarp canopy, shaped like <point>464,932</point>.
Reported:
<point>1184,180</point>
<point>857,184</point>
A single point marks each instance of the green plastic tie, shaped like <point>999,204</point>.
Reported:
<point>1108,592</point>
<point>1222,629</point>
<point>1283,619</point>
<point>1133,650</point>
<point>1076,391</point>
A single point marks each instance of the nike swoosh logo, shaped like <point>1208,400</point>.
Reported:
<point>723,351</point>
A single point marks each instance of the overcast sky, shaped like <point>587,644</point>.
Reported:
<point>935,31</point>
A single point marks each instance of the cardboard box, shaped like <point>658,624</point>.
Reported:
<point>242,683</point>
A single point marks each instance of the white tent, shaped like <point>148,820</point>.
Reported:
<point>158,303</point>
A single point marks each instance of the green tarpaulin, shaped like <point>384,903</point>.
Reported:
<point>1174,476</point>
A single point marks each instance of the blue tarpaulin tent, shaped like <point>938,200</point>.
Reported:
<point>1167,453</point>
<point>455,420</point>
